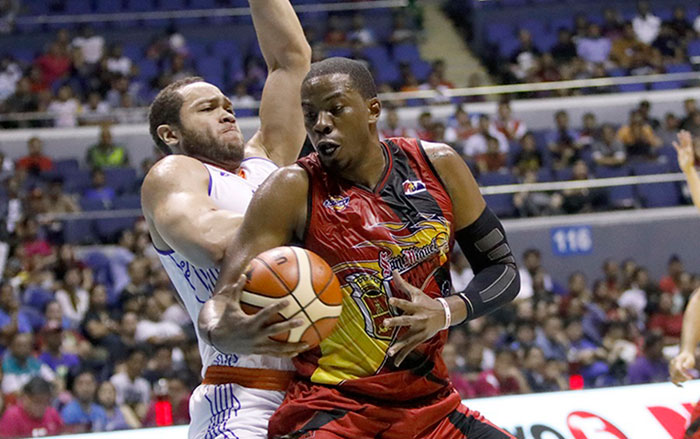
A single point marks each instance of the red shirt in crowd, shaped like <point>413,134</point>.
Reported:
<point>669,324</point>
<point>16,422</point>
<point>53,67</point>
<point>488,384</point>
<point>40,162</point>
<point>668,285</point>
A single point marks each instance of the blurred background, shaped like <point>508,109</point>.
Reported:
<point>565,111</point>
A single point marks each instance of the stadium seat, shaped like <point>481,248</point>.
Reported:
<point>131,201</point>
<point>386,72</point>
<point>88,204</point>
<point>109,229</point>
<point>694,47</point>
<point>36,297</point>
<point>202,4</point>
<point>121,179</point>
<point>108,6</point>
<point>406,52</point>
<point>619,197</point>
<point>78,231</point>
<point>650,168</point>
<point>76,181</point>
<point>501,204</point>
<point>631,88</point>
<point>563,174</point>
<point>659,194</point>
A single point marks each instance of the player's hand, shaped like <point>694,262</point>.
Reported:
<point>250,334</point>
<point>686,153</point>
<point>423,316</point>
<point>680,367</point>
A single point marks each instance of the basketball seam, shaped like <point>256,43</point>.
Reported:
<point>313,323</point>
<point>281,281</point>
<point>330,279</point>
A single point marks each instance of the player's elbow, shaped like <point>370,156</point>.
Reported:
<point>295,58</point>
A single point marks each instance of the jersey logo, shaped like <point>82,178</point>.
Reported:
<point>411,187</point>
<point>337,203</point>
<point>242,174</point>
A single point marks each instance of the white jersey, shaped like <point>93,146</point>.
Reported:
<point>195,284</point>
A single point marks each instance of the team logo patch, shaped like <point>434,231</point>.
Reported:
<point>337,203</point>
<point>411,187</point>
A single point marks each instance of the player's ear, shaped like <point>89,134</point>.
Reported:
<point>168,134</point>
<point>375,108</point>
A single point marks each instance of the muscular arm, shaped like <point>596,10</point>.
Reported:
<point>686,161</point>
<point>182,216</point>
<point>276,214</point>
<point>681,364</point>
<point>288,58</point>
<point>481,237</point>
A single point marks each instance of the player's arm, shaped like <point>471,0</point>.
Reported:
<point>175,202</point>
<point>483,241</point>
<point>686,161</point>
<point>680,365</point>
<point>275,215</point>
<point>288,59</point>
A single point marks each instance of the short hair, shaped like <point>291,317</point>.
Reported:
<point>359,75</point>
<point>165,109</point>
<point>37,386</point>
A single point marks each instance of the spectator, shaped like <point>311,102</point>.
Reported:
<point>90,44</point>
<point>645,111</point>
<point>8,13</point>
<point>583,355</point>
<point>13,319</point>
<point>493,160</point>
<point>100,324</point>
<point>360,33</point>
<point>477,143</point>
<point>513,129</point>
<point>10,73</point>
<point>241,98</point>
<point>19,365</point>
<point>117,62</point>
<point>138,288</point>
<point>638,138</point>
<point>650,367</point>
<point>690,107</point>
<point>523,60</point>
<point>588,133</point>
<point>612,26</point>
<point>679,23</point>
<point>565,49</point>
<point>528,159</point>
<point>696,25</point>
<point>53,65</point>
<point>551,339</point>
<point>83,414</point>
<point>503,379</point>
<point>693,125</point>
<point>74,300</point>
<point>608,150</point>
<point>665,321</point>
<point>117,417</point>
<point>425,126</point>
<point>669,282</point>
<point>65,108</point>
<point>537,203</point>
<point>96,110</point>
<point>463,128</point>
<point>53,355</point>
<point>457,378</point>
<point>33,415</point>
<point>153,330</point>
<point>583,199</point>
<point>668,44</point>
<point>35,162</point>
<point>646,25</point>
<point>132,389</point>
<point>532,264</point>
<point>23,99</point>
<point>433,83</point>
<point>400,32</point>
<point>594,48</point>
<point>392,128</point>
<point>668,132</point>
<point>635,297</point>
<point>561,141</point>
<point>106,154</point>
<point>624,48</point>
<point>174,394</point>
<point>335,35</point>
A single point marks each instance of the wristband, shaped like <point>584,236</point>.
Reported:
<point>448,312</point>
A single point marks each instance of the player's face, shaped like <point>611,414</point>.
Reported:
<point>337,120</point>
<point>208,125</point>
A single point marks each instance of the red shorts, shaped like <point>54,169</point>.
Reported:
<point>693,431</point>
<point>319,412</point>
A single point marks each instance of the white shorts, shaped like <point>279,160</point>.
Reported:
<point>230,411</point>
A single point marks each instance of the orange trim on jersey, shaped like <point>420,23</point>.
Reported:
<point>264,379</point>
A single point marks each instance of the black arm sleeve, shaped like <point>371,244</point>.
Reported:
<point>496,279</point>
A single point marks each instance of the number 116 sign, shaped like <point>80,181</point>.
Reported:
<point>572,240</point>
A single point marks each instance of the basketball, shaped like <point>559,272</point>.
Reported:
<point>306,280</point>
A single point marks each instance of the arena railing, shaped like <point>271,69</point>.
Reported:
<point>485,190</point>
<point>202,13</point>
<point>138,115</point>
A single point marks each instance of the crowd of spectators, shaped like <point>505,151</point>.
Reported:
<point>614,47</point>
<point>503,145</point>
<point>621,328</point>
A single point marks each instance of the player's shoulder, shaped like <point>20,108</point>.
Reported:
<point>293,176</point>
<point>439,153</point>
<point>172,172</point>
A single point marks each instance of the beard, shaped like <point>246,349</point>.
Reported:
<point>205,145</point>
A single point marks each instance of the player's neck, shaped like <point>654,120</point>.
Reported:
<point>371,168</point>
<point>231,167</point>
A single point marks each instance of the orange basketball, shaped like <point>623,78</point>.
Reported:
<point>303,277</point>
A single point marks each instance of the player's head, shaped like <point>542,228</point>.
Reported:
<point>193,117</point>
<point>341,109</point>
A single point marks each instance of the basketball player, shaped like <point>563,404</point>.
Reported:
<point>193,201</point>
<point>385,216</point>
<point>684,362</point>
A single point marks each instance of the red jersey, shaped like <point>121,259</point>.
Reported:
<point>16,422</point>
<point>403,224</point>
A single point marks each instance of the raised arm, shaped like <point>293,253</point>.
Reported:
<point>288,57</point>
<point>181,215</point>
<point>686,161</point>
<point>276,214</point>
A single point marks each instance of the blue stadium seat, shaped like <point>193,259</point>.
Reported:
<point>497,32</point>
<point>694,47</point>
<point>338,51</point>
<point>79,231</point>
<point>501,204</point>
<point>616,72</point>
<point>130,201</point>
<point>544,175</point>
<point>650,168</point>
<point>406,52</point>
<point>375,54</point>
<point>101,267</point>
<point>202,4</point>
<point>148,69</point>
<point>77,181</point>
<point>88,204</point>
<point>77,7</point>
<point>212,69</point>
<point>679,68</point>
<point>421,69</point>
<point>563,174</point>
<point>618,196</point>
<point>629,88</point>
<point>108,6</point>
<point>139,5</point>
<point>386,72</point>
<point>667,85</point>
<point>34,316</point>
<point>659,194</point>
<point>121,179</point>
<point>109,229</point>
